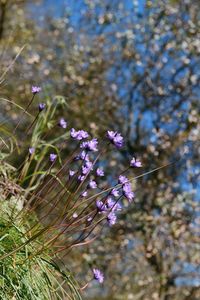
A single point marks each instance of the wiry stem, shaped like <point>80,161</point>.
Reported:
<point>22,115</point>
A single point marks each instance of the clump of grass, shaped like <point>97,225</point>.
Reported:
<point>21,277</point>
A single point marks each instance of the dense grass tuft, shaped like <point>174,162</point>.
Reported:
<point>21,277</point>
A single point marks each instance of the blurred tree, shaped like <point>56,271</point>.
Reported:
<point>153,62</point>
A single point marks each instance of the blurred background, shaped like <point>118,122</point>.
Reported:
<point>131,66</point>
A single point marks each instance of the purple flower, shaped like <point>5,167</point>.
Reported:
<point>31,150</point>
<point>81,177</point>
<point>98,275</point>
<point>111,135</point>
<point>122,179</point>
<point>135,163</point>
<point>62,123</point>
<point>73,133</point>
<point>78,134</point>
<point>100,172</point>
<point>90,145</point>
<point>85,170</point>
<point>35,89</point>
<point>92,184</point>
<point>83,156</point>
<point>111,218</point>
<point>115,138</point>
<point>52,157</point>
<point>113,205</point>
<point>114,192</point>
<point>84,194</point>
<point>127,191</point>
<point>41,106</point>
<point>83,134</point>
<point>71,173</point>
<point>118,140</point>
<point>87,167</point>
<point>101,206</point>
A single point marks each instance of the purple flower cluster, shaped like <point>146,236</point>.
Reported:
<point>109,206</point>
<point>135,163</point>
<point>126,187</point>
<point>127,191</point>
<point>122,179</point>
<point>87,167</point>
<point>115,138</point>
<point>78,134</point>
<point>111,218</point>
<point>82,156</point>
<point>113,205</point>
<point>101,206</point>
<point>90,145</point>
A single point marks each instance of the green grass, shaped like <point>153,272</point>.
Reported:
<point>26,277</point>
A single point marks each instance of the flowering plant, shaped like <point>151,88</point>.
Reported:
<point>63,201</point>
